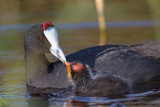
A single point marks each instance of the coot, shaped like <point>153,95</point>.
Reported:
<point>38,40</point>
<point>136,64</point>
<point>91,83</point>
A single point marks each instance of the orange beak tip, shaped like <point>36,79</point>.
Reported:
<point>67,63</point>
<point>68,67</point>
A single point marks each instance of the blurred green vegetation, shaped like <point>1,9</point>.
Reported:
<point>3,103</point>
<point>75,10</point>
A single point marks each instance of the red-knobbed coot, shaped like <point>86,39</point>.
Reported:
<point>136,64</point>
<point>90,83</point>
<point>40,39</point>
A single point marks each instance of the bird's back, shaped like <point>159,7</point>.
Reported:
<point>135,64</point>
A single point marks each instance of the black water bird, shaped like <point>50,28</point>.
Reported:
<point>138,65</point>
<point>92,83</point>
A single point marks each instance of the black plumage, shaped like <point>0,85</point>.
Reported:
<point>136,64</point>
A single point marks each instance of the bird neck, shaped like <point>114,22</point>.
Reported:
<point>36,65</point>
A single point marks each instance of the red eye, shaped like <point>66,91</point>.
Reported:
<point>41,38</point>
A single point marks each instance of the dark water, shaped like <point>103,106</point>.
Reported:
<point>128,22</point>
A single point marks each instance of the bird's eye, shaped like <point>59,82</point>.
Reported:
<point>41,38</point>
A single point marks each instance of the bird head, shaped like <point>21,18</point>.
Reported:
<point>43,38</point>
<point>76,71</point>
